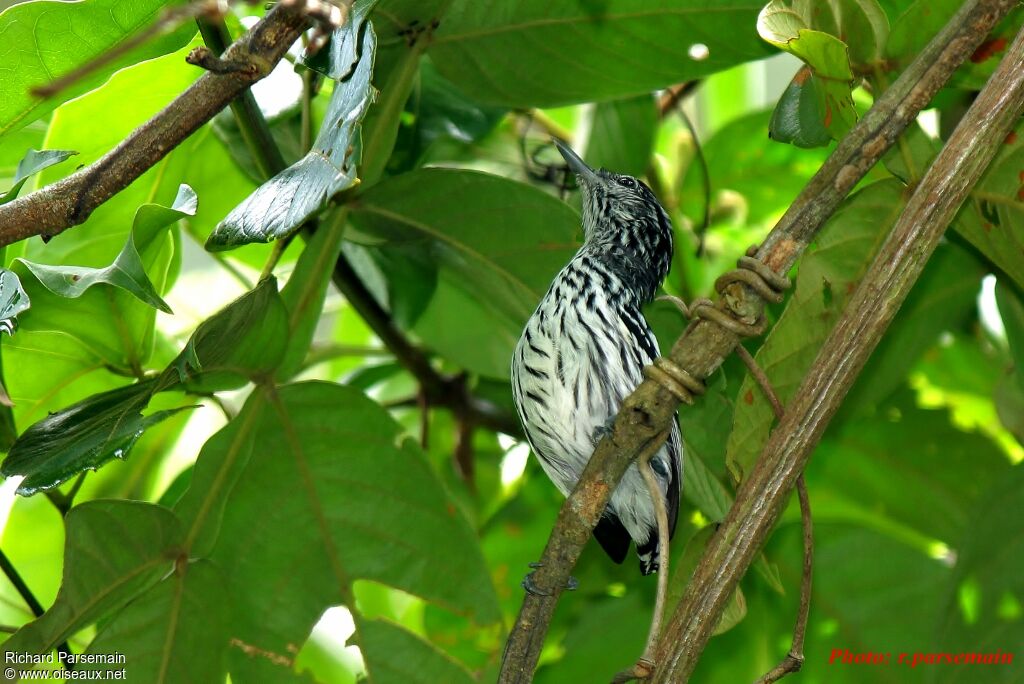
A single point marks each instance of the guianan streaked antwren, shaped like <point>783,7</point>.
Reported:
<point>584,349</point>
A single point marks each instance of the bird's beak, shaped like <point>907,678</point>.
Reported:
<point>586,174</point>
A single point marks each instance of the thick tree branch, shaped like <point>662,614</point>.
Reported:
<point>700,351</point>
<point>57,207</point>
<point>874,304</point>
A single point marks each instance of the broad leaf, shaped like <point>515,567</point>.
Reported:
<point>828,275</point>
<point>394,656</point>
<point>982,603</point>
<point>281,205</point>
<point>81,437</point>
<point>32,163</point>
<point>176,631</point>
<point>572,52</point>
<point>312,494</point>
<point>113,550</point>
<point>799,117</point>
<point>622,135</point>
<point>244,340</point>
<point>497,243</point>
<point>44,40</point>
<point>127,272</point>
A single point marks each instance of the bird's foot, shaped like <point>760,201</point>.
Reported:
<point>642,671</point>
<point>530,587</point>
<point>602,431</point>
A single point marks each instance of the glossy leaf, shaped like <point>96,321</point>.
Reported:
<point>44,40</point>
<point>828,275</point>
<point>81,437</point>
<point>571,52</point>
<point>497,243</point>
<point>32,163</point>
<point>281,205</point>
<point>113,550</point>
<point>127,272</point>
<point>622,135</point>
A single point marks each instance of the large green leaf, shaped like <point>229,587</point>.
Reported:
<point>828,275</point>
<point>622,135</point>
<point>1011,311</point>
<point>394,656</point>
<point>176,631</point>
<point>333,494</point>
<point>569,52</point>
<point>45,40</point>
<point>497,244</point>
<point>127,272</point>
<point>81,437</point>
<point>982,603</point>
<point>32,163</point>
<point>281,205</point>
<point>113,550</point>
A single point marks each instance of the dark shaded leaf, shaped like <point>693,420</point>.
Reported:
<point>244,340</point>
<point>32,163</point>
<point>799,117</point>
<point>112,551</point>
<point>402,279</point>
<point>1011,311</point>
<point>497,245</point>
<point>339,58</point>
<point>128,272</point>
<point>622,135</point>
<point>278,207</point>
<point>81,437</point>
<point>573,52</point>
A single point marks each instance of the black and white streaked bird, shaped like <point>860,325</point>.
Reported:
<point>584,349</point>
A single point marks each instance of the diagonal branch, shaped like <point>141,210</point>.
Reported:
<point>874,304</point>
<point>700,351</point>
<point>68,202</point>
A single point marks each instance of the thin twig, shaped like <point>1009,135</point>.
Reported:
<point>762,496</point>
<point>30,599</point>
<point>64,502</point>
<point>700,351</point>
<point>794,659</point>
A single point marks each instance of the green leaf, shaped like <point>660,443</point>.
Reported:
<point>992,219</point>
<point>497,244</point>
<point>175,631</point>
<point>32,163</point>
<point>303,295</point>
<point>127,272</point>
<point>244,340</point>
<point>828,86</point>
<point>394,656</point>
<point>622,135</point>
<point>573,52</point>
<point>113,550</point>
<point>281,205</point>
<point>1011,311</point>
<point>988,565</point>
<point>403,280</point>
<point>44,40</point>
<point>310,511</point>
<point>81,437</point>
<point>799,117</point>
<point>828,275</point>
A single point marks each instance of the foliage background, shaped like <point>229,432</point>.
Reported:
<point>313,500</point>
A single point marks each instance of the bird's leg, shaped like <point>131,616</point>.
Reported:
<point>527,583</point>
<point>644,667</point>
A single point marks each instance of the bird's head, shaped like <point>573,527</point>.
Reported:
<point>620,212</point>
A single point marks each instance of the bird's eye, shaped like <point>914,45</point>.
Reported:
<point>627,182</point>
